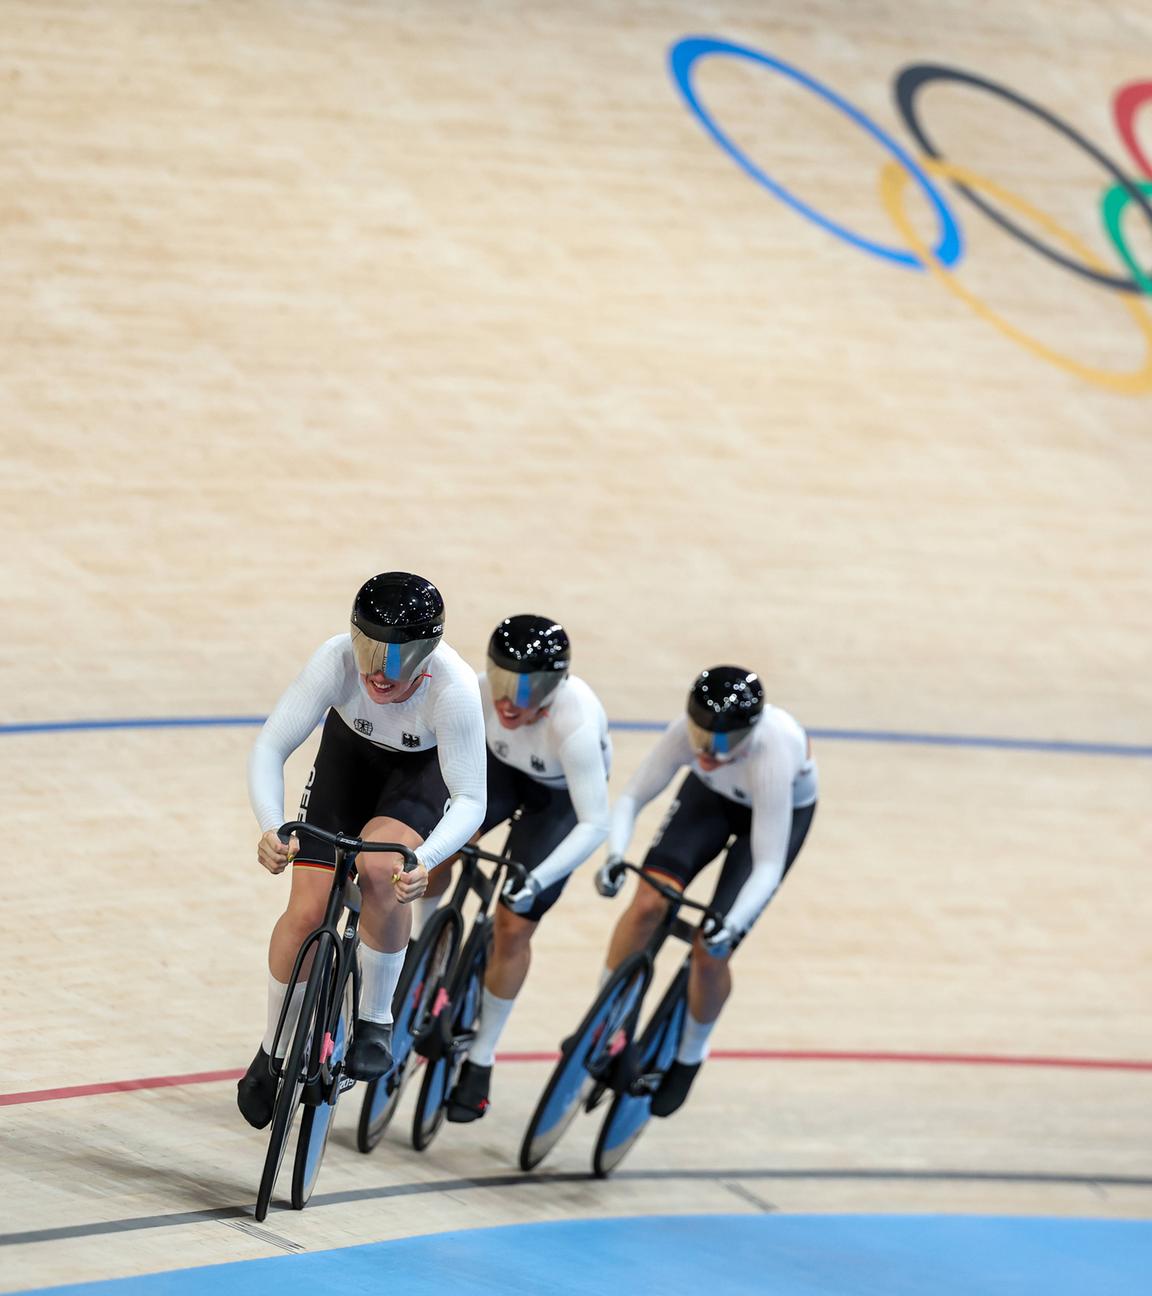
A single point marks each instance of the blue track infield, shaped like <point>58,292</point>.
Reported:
<point>890,736</point>
<point>769,1255</point>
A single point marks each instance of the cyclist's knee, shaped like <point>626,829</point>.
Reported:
<point>513,931</point>
<point>305,911</point>
<point>375,870</point>
<point>706,962</point>
<point>374,874</point>
<point>648,906</point>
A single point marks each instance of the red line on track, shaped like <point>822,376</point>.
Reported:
<point>936,1059</point>
<point>728,1055</point>
<point>116,1086</point>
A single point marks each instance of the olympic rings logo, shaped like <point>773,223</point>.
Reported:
<point>1058,245</point>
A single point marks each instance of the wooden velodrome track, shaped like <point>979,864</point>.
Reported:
<point>293,293</point>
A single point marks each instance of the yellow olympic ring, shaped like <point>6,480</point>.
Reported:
<point>893,183</point>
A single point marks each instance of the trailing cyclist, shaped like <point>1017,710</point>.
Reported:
<point>404,735</point>
<point>751,790</point>
<point>549,756</point>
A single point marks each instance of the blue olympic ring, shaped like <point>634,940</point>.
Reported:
<point>683,58</point>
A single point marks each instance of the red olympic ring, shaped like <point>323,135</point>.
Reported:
<point>1128,99</point>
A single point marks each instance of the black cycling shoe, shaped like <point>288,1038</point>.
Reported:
<point>370,1056</point>
<point>256,1091</point>
<point>674,1088</point>
<point>468,1100</point>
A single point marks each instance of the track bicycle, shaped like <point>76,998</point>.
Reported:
<point>438,1002</point>
<point>311,1074</point>
<point>603,1056</point>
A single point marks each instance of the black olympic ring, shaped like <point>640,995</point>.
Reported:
<point>912,79</point>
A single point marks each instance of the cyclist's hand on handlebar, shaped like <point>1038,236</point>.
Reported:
<point>717,938</point>
<point>274,854</point>
<point>409,886</point>
<point>520,896</point>
<point>610,877</point>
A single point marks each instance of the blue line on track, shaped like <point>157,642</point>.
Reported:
<point>889,736</point>
<point>143,722</point>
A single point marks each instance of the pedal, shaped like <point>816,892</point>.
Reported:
<point>644,1086</point>
<point>436,1040</point>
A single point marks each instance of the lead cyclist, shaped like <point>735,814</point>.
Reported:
<point>403,736</point>
<point>750,792</point>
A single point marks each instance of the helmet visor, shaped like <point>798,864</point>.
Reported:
<point>527,691</point>
<point>398,661</point>
<point>720,746</point>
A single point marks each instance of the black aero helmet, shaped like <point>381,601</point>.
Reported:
<point>397,621</point>
<point>724,704</point>
<point>528,659</point>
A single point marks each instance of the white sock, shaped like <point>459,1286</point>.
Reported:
<point>605,973</point>
<point>494,1014</point>
<point>694,1040</point>
<point>379,973</point>
<point>422,910</point>
<point>276,992</point>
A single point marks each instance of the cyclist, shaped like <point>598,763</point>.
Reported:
<point>404,732</point>
<point>751,790</point>
<point>549,756</point>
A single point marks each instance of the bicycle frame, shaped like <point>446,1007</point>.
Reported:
<point>483,886</point>
<point>472,881</point>
<point>328,942</point>
<point>311,1074</point>
<point>672,924</point>
<point>601,1055</point>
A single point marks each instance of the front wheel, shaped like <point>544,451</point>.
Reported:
<point>631,1109</point>
<point>316,1123</point>
<point>417,996</point>
<point>292,1081</point>
<point>586,1057</point>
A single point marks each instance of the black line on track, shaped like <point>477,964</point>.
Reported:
<point>224,1213</point>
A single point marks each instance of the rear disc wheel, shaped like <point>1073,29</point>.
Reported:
<point>442,1071</point>
<point>416,994</point>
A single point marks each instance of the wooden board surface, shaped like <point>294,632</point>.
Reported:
<point>293,293</point>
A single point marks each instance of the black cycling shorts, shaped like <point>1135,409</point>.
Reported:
<point>699,824</point>
<point>546,817</point>
<point>353,781</point>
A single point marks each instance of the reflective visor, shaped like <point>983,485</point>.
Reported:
<point>720,746</point>
<point>528,691</point>
<point>398,661</point>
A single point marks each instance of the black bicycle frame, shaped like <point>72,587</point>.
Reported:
<point>484,887</point>
<point>672,924</point>
<point>344,894</point>
<point>438,1035</point>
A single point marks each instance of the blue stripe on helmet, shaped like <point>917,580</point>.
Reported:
<point>392,661</point>
<point>720,744</point>
<point>523,691</point>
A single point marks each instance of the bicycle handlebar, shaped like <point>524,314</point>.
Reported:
<point>515,869</point>
<point>345,843</point>
<point>671,894</point>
